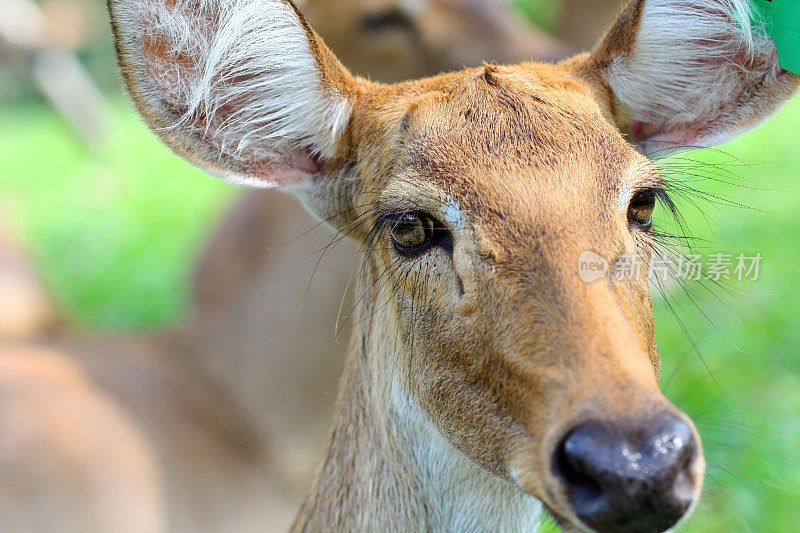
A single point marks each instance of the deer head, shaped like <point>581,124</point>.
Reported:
<point>474,194</point>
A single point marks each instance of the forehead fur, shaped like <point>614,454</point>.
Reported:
<point>498,137</point>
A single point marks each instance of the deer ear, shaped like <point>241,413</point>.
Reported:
<point>241,88</point>
<point>688,74</point>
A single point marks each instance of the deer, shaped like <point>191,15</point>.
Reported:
<point>485,381</point>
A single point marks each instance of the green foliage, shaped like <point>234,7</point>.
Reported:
<point>749,418</point>
<point>113,231</point>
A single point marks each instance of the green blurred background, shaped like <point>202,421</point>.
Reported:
<point>114,231</point>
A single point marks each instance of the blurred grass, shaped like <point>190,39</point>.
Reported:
<point>545,14</point>
<point>749,418</point>
<point>115,233</point>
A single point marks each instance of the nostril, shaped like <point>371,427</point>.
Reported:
<point>675,450</point>
<point>670,449</point>
<point>575,464</point>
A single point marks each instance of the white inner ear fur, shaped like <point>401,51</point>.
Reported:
<point>690,60</point>
<point>240,75</point>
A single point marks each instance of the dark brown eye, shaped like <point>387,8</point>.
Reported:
<point>640,211</point>
<point>412,232</point>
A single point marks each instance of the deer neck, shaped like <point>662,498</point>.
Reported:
<point>388,468</point>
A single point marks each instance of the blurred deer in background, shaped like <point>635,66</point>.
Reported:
<point>391,40</point>
<point>485,379</point>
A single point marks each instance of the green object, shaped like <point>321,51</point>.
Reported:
<point>782,18</point>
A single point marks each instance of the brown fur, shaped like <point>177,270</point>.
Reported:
<point>446,35</point>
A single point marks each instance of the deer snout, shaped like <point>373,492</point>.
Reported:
<point>640,478</point>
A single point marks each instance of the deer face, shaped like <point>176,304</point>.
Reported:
<point>475,195</point>
<point>498,180</point>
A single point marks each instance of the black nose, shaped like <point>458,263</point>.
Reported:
<point>635,478</point>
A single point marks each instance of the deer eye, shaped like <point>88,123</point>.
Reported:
<point>640,211</point>
<point>413,232</point>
